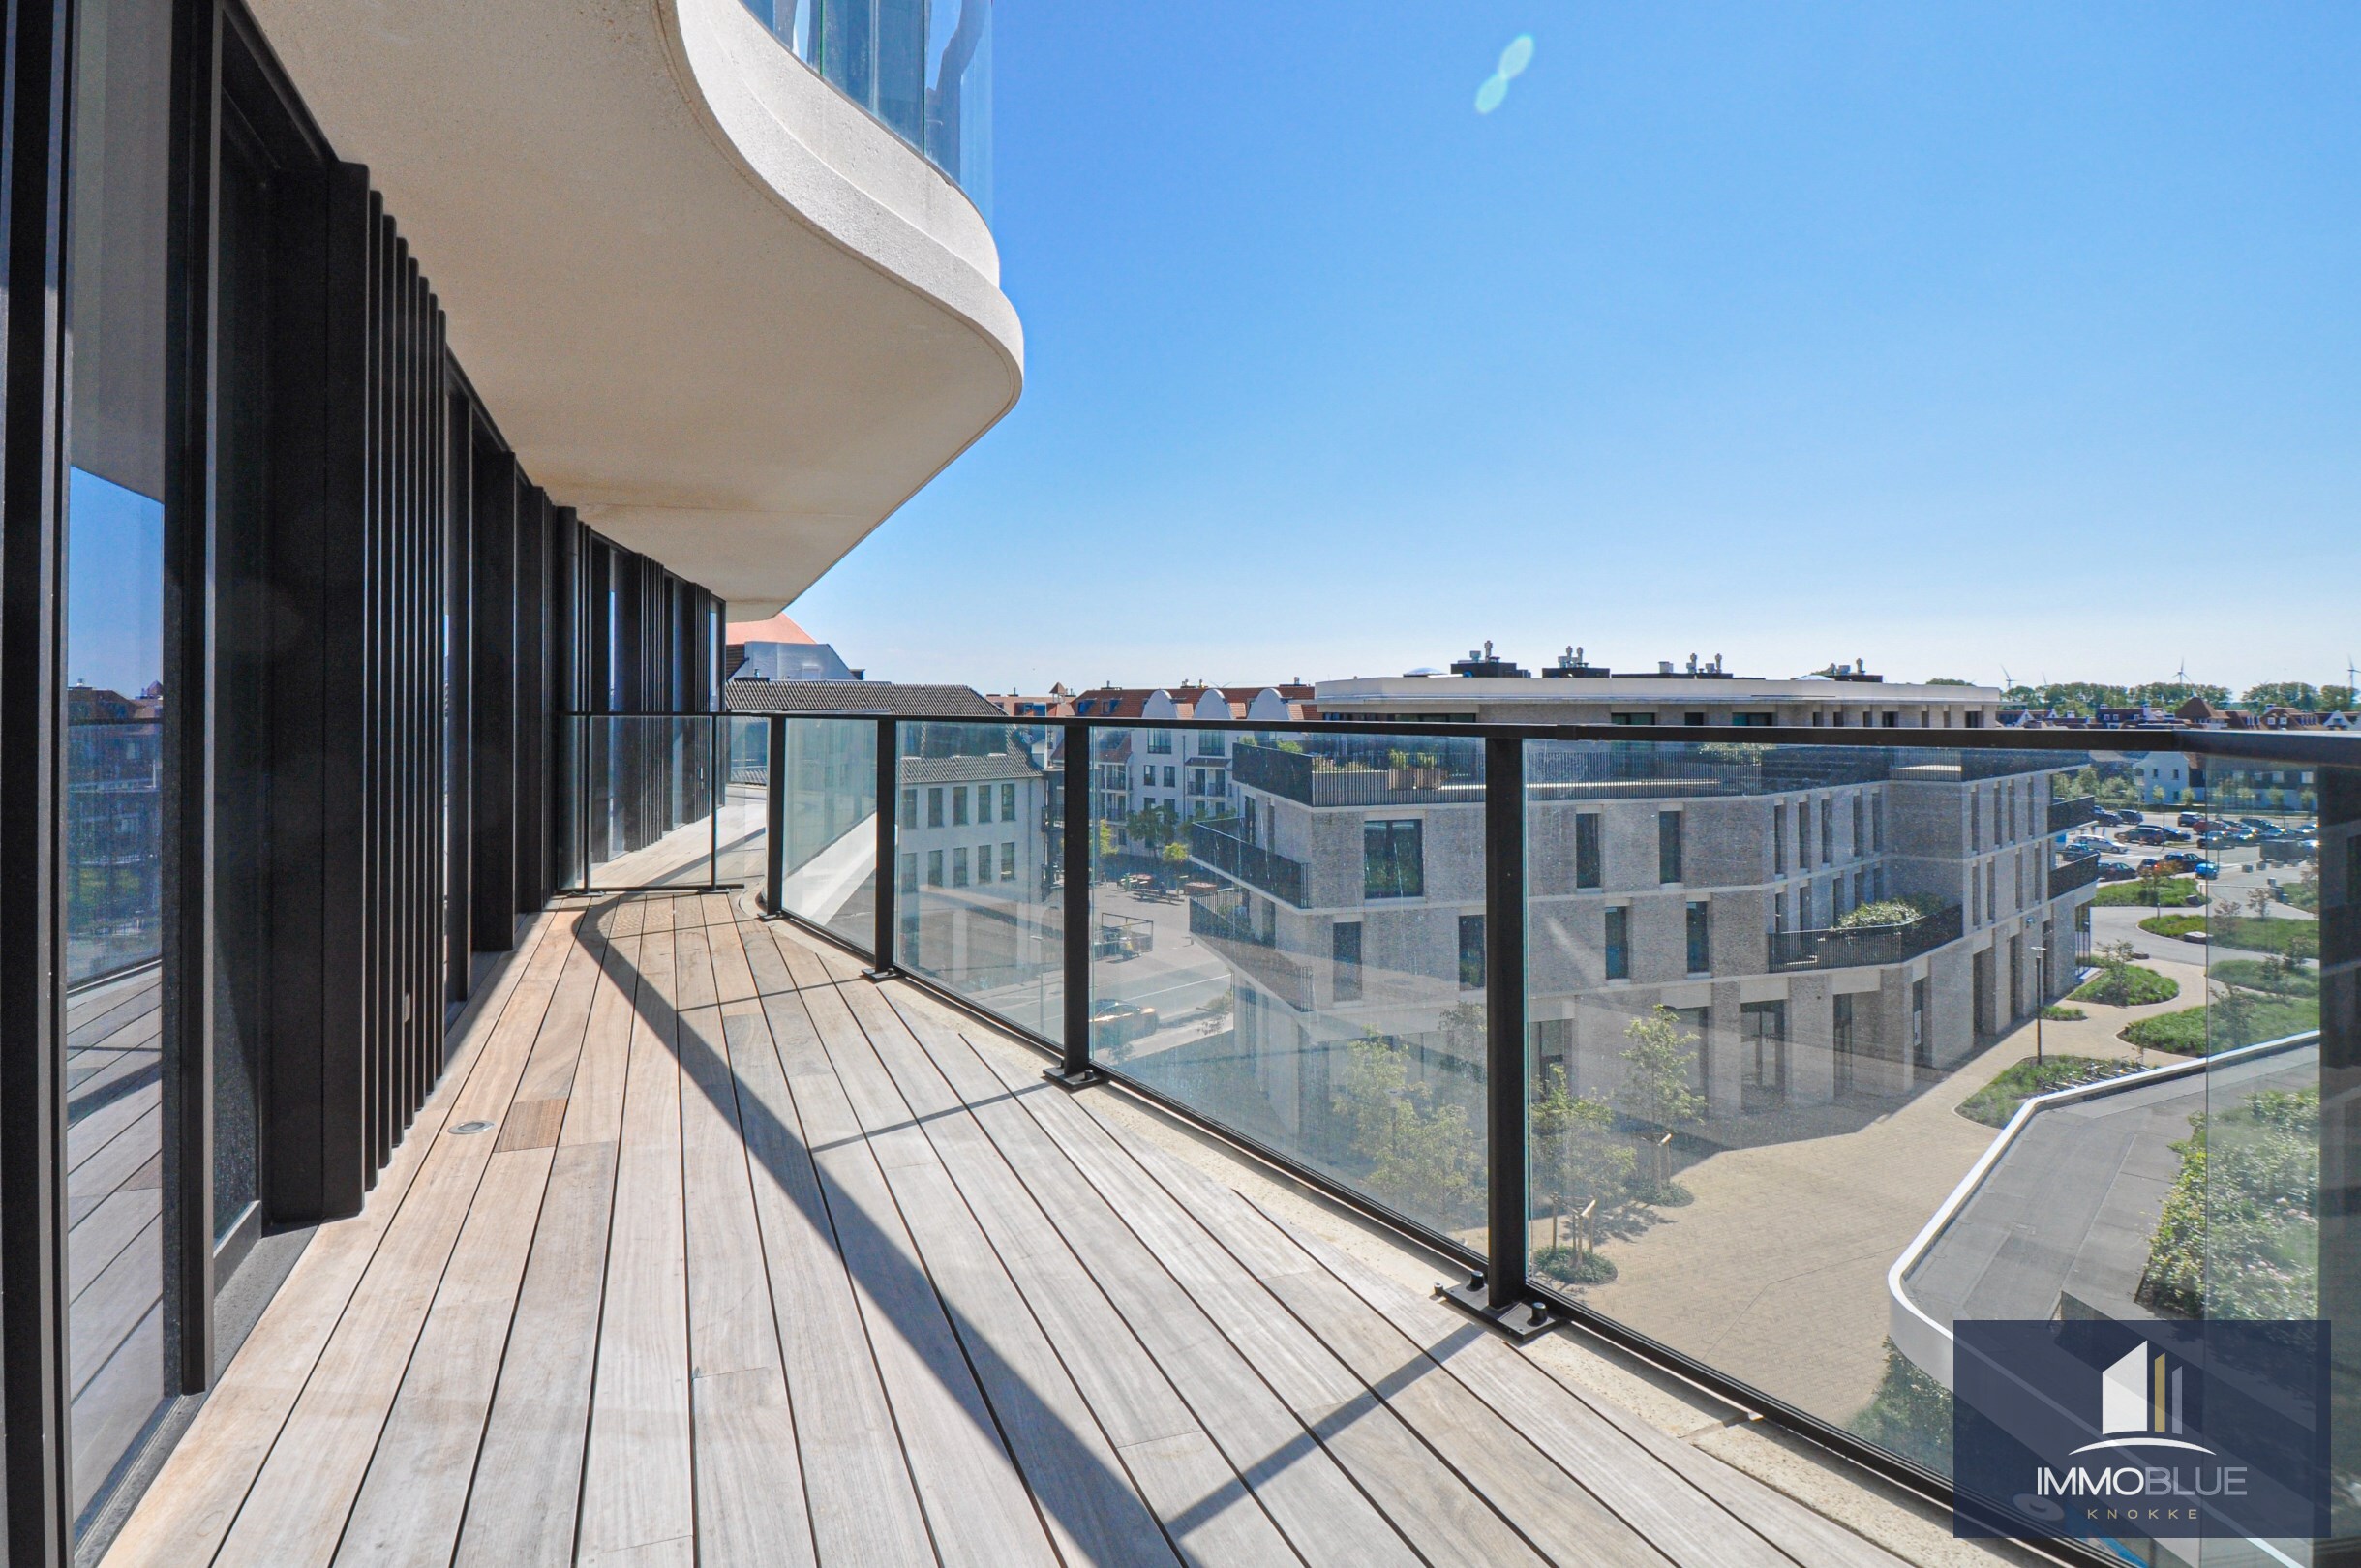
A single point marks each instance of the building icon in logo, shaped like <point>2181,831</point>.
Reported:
<point>2139,1403</point>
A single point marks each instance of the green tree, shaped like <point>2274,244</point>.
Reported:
<point>1418,1157</point>
<point>2152,878</point>
<point>1656,1091</point>
<point>2336,699</point>
<point>1156,827</point>
<point>2282,694</point>
<point>1464,1033</point>
<point>1572,1157</point>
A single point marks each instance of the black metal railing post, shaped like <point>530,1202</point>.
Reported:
<point>1074,1069</point>
<point>1502,1294</point>
<point>889,798</point>
<point>774,817</point>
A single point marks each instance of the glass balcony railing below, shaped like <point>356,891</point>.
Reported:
<point>922,67</point>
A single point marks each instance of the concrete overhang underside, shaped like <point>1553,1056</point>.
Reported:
<point>715,307</point>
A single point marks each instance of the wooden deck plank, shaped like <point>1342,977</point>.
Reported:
<point>820,1272</point>
<point>305,1489</point>
<point>1431,1505</point>
<point>749,1506</point>
<point>1309,1496</point>
<point>549,1072</point>
<point>100,1236</point>
<point>527,1471</point>
<point>1657,1483</point>
<point>637,1490</point>
<point>407,1514</point>
<point>865,1507</point>
<point>764,963</point>
<point>976,1503</point>
<point>196,1497</point>
<point>595,1108</point>
<point>1548,1506</point>
<point>1150,1431</point>
<point>94,1131</point>
<point>733,975</point>
<point>1086,1494</point>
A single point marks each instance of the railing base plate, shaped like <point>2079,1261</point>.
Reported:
<point>1520,1320</point>
<point>878,977</point>
<point>1073,1080</point>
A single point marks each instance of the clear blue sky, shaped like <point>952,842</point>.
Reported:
<point>1953,338</point>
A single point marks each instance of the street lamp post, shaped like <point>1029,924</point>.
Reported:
<point>2040,958</point>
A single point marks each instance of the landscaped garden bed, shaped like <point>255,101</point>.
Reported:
<point>1996,1101</point>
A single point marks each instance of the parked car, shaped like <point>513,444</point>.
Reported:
<point>2148,832</point>
<point>2191,819</point>
<point>2128,819</point>
<point>2180,860</point>
<point>1115,1023</point>
<point>2205,871</point>
<point>2291,851</point>
<point>2116,871</point>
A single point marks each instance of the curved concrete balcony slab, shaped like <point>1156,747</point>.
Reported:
<point>713,305</point>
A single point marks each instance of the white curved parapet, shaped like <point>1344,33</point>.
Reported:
<point>713,305</point>
<point>1919,1335</point>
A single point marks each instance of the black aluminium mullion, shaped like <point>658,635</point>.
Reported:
<point>380,716</point>
<point>189,947</point>
<point>882,941</point>
<point>345,1162</point>
<point>1073,1067</point>
<point>294,1070</point>
<point>426,1008</point>
<point>425,911</point>
<point>33,1350</point>
<point>397,698</point>
<point>422,1017</point>
<point>459,436</point>
<point>398,670</point>
<point>1505,1201</point>
<point>365,703</point>
<point>774,822</point>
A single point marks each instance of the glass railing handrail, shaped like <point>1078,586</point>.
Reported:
<point>923,71</point>
<point>2233,745</point>
<point>1335,937</point>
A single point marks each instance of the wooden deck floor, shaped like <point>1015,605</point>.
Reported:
<point>758,1262</point>
<point>115,1213</point>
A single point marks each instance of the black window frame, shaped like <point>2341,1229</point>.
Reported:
<point>1386,872</point>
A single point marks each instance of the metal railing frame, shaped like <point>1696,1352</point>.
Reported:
<point>1499,1285</point>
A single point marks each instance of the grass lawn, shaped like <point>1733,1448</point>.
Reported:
<point>2170,892</point>
<point>2257,1018</point>
<point>2296,939</point>
<point>2260,974</point>
<point>1996,1101</point>
<point>2128,985</point>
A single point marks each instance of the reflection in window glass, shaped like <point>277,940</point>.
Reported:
<point>111,891</point>
<point>1318,1006</point>
<point>993,938</point>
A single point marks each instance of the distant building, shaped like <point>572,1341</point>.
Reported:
<point>1488,689</point>
<point>1186,773</point>
<point>779,649</point>
<point>1055,702</point>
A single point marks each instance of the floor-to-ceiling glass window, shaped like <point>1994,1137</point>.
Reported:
<point>112,862</point>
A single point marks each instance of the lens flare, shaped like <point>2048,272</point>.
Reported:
<point>1489,95</point>
<point>1517,56</point>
